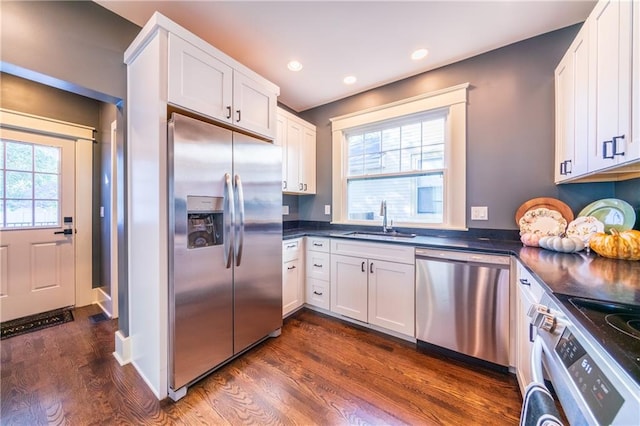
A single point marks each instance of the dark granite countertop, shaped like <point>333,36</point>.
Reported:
<point>577,274</point>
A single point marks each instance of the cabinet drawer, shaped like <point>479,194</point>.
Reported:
<point>291,249</point>
<point>318,265</point>
<point>317,293</point>
<point>318,244</point>
<point>378,251</point>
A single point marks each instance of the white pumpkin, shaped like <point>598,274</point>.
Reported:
<point>562,243</point>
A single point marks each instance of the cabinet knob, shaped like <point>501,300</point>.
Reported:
<point>229,112</point>
<point>317,266</point>
<point>524,281</point>
<point>371,267</point>
<point>300,185</point>
<point>305,186</point>
<point>291,267</point>
<point>316,293</point>
<point>284,184</point>
<point>239,116</point>
<point>567,167</point>
<point>362,267</point>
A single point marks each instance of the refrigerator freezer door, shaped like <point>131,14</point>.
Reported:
<point>201,284</point>
<point>258,271</point>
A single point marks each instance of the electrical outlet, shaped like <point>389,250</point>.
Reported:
<point>480,213</point>
<point>327,209</point>
<point>285,209</point>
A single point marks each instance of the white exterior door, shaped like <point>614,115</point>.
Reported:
<point>37,202</point>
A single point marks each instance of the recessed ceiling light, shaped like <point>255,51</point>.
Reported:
<point>294,65</point>
<point>419,54</point>
<point>350,79</point>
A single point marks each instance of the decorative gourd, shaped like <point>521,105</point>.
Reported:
<point>618,245</point>
<point>530,239</point>
<point>562,243</point>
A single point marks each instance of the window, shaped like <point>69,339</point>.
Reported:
<point>409,153</point>
<point>29,185</point>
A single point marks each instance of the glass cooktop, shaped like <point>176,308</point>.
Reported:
<point>615,326</point>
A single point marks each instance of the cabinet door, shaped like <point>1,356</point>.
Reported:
<point>292,296</point>
<point>281,140</point>
<point>349,286</point>
<point>524,345</point>
<point>392,296</point>
<point>294,140</point>
<point>610,82</point>
<point>254,107</point>
<point>198,81</point>
<point>572,112</point>
<point>307,161</point>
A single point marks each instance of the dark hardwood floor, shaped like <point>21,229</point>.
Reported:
<point>319,371</point>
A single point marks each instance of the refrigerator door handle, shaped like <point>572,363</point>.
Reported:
<point>229,216</point>
<point>239,237</point>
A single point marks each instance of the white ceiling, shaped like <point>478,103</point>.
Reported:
<point>371,40</point>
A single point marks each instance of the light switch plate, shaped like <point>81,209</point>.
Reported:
<point>327,209</point>
<point>480,213</point>
<point>285,209</point>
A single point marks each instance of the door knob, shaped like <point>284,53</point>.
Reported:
<point>65,232</point>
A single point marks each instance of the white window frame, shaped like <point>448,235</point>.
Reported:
<point>455,99</point>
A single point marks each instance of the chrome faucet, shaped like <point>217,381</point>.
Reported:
<point>383,213</point>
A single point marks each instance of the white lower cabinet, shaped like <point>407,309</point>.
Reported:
<point>377,287</point>
<point>292,276</point>
<point>529,293</point>
<point>318,266</point>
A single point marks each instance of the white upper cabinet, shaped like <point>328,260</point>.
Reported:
<point>198,81</point>
<point>254,108</point>
<point>598,98</point>
<point>298,140</point>
<point>610,79</point>
<point>208,85</point>
<point>572,117</point>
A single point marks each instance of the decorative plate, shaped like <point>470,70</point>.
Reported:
<point>584,227</point>
<point>542,222</point>
<point>612,212</point>
<point>547,203</point>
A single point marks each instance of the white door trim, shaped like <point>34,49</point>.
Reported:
<point>109,301</point>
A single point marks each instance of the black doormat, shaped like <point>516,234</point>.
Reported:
<point>31,323</point>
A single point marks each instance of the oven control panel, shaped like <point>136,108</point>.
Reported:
<point>603,399</point>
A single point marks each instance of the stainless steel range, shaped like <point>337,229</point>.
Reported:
<point>591,353</point>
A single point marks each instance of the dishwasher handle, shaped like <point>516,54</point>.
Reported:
<point>462,256</point>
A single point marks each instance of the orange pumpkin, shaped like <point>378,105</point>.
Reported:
<point>618,245</point>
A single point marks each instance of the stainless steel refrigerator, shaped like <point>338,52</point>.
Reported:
<point>225,260</point>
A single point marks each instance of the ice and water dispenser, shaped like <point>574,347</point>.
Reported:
<point>205,221</point>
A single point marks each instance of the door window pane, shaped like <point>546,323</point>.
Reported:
<point>29,185</point>
<point>46,186</point>
<point>19,213</point>
<point>47,159</point>
<point>19,156</point>
<point>19,185</point>
<point>46,213</point>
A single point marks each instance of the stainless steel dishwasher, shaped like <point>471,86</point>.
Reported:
<point>462,303</point>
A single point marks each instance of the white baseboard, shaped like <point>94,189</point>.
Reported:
<point>122,353</point>
<point>106,303</point>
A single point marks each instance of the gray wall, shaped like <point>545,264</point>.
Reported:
<point>73,45</point>
<point>510,129</point>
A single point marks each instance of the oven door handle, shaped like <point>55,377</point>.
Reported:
<point>536,362</point>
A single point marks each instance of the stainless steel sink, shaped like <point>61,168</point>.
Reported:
<point>390,234</point>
